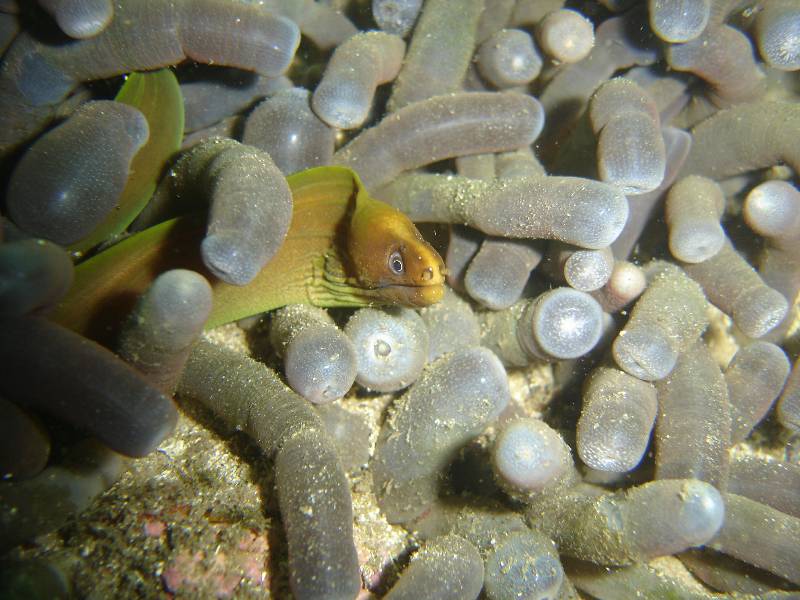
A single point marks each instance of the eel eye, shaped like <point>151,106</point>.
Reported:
<point>396,265</point>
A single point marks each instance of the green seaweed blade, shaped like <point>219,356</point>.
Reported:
<point>158,96</point>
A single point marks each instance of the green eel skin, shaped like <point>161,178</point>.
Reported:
<point>343,248</point>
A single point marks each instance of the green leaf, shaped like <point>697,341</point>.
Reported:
<point>158,96</point>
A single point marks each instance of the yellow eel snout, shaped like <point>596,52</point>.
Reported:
<point>391,256</point>
<point>417,275</point>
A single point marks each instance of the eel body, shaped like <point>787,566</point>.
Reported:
<point>343,248</point>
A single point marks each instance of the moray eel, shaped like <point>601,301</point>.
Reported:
<point>343,248</point>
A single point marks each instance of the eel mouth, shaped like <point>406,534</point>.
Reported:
<point>414,296</point>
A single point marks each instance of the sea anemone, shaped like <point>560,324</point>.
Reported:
<point>583,409</point>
